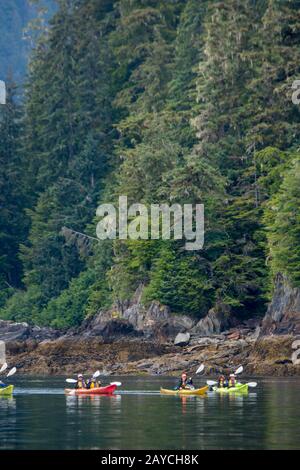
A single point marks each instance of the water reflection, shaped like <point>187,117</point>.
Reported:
<point>7,402</point>
<point>45,418</point>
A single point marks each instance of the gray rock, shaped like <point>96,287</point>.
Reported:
<point>2,353</point>
<point>10,331</point>
<point>182,339</point>
<point>283,315</point>
<point>208,341</point>
<point>213,323</point>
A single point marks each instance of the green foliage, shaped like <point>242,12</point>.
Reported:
<point>283,225</point>
<point>181,101</point>
<point>180,280</point>
<point>69,308</point>
<point>24,306</point>
<point>13,197</point>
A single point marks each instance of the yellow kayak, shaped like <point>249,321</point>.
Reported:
<point>184,392</point>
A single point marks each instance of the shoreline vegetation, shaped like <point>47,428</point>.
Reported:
<point>181,102</point>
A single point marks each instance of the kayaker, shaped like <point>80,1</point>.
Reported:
<point>222,383</point>
<point>183,382</point>
<point>97,383</point>
<point>232,381</point>
<point>89,384</point>
<point>80,382</point>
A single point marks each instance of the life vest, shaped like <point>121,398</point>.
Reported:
<point>92,385</point>
<point>231,382</point>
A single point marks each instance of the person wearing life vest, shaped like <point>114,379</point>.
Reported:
<point>183,382</point>
<point>98,383</point>
<point>80,382</point>
<point>89,384</point>
<point>93,383</point>
<point>222,382</point>
<point>231,381</point>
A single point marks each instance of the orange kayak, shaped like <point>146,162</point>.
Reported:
<point>108,390</point>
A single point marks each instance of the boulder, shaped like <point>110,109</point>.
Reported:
<point>182,339</point>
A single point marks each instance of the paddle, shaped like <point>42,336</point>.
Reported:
<point>200,369</point>
<point>71,381</point>
<point>3,368</point>
<point>118,384</point>
<point>252,384</point>
<point>211,383</point>
<point>12,372</point>
<point>239,370</point>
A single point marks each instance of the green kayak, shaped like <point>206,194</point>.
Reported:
<point>6,391</point>
<point>238,388</point>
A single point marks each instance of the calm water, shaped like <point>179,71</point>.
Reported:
<point>40,416</point>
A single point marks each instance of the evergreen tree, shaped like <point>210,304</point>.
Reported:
<point>283,226</point>
<point>13,222</point>
<point>165,102</point>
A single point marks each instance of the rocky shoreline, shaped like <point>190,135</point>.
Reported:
<point>266,356</point>
<point>135,340</point>
<point>135,354</point>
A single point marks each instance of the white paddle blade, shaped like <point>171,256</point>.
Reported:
<point>252,384</point>
<point>3,368</point>
<point>200,369</point>
<point>96,374</point>
<point>211,383</point>
<point>71,381</point>
<point>239,370</point>
<point>118,384</point>
<point>12,372</point>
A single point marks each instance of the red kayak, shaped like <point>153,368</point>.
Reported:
<point>108,390</point>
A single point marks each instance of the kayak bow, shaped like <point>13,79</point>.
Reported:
<point>184,392</point>
<point>6,391</point>
<point>108,390</point>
